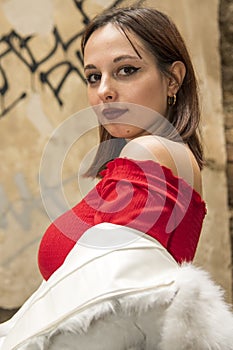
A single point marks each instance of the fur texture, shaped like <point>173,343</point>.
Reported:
<point>190,314</point>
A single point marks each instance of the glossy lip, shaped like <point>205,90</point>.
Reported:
<point>113,113</point>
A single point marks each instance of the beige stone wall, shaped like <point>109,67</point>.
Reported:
<point>41,86</point>
<point>226,46</point>
<point>198,21</point>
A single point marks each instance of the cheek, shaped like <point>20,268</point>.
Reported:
<point>149,92</point>
<point>156,97</point>
<point>92,98</point>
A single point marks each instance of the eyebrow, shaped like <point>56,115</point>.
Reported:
<point>125,57</point>
<point>89,66</point>
<point>116,60</point>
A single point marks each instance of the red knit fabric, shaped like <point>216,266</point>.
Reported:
<point>140,194</point>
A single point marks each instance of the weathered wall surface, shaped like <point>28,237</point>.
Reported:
<point>42,85</point>
<point>226,29</point>
<point>198,22</point>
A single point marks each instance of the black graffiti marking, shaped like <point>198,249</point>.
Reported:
<point>5,110</point>
<point>3,90</point>
<point>80,58</point>
<point>116,3</point>
<point>65,45</point>
<point>20,46</point>
<point>79,5</point>
<point>70,68</point>
<point>5,85</point>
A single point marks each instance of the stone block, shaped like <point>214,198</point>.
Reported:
<point>229,136</point>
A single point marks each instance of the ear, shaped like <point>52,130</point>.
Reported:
<point>178,72</point>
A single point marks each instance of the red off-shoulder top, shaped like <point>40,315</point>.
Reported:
<point>140,194</point>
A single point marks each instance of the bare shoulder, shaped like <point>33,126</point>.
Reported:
<point>173,155</point>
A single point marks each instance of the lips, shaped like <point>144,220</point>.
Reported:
<point>113,113</point>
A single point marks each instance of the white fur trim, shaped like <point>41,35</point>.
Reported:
<point>190,315</point>
<point>145,301</point>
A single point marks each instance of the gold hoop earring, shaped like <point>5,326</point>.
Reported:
<point>171,100</point>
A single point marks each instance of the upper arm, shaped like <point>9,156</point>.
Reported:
<point>173,155</point>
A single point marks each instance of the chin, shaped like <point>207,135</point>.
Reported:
<point>123,132</point>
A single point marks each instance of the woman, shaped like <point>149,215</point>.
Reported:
<point>145,213</point>
<point>145,68</point>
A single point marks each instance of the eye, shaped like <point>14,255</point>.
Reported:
<point>127,70</point>
<point>93,78</point>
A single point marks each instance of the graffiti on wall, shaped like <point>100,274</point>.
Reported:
<point>21,211</point>
<point>13,43</point>
<point>21,47</point>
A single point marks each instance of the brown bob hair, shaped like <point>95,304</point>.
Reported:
<point>161,37</point>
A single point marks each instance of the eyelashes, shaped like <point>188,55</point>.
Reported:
<point>93,78</point>
<point>121,73</point>
<point>128,70</point>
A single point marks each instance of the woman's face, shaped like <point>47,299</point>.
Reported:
<point>119,80</point>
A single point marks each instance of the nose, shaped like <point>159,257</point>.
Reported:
<point>107,90</point>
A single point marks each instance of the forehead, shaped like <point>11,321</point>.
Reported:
<point>110,39</point>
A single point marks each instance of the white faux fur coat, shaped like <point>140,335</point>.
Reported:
<point>127,298</point>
